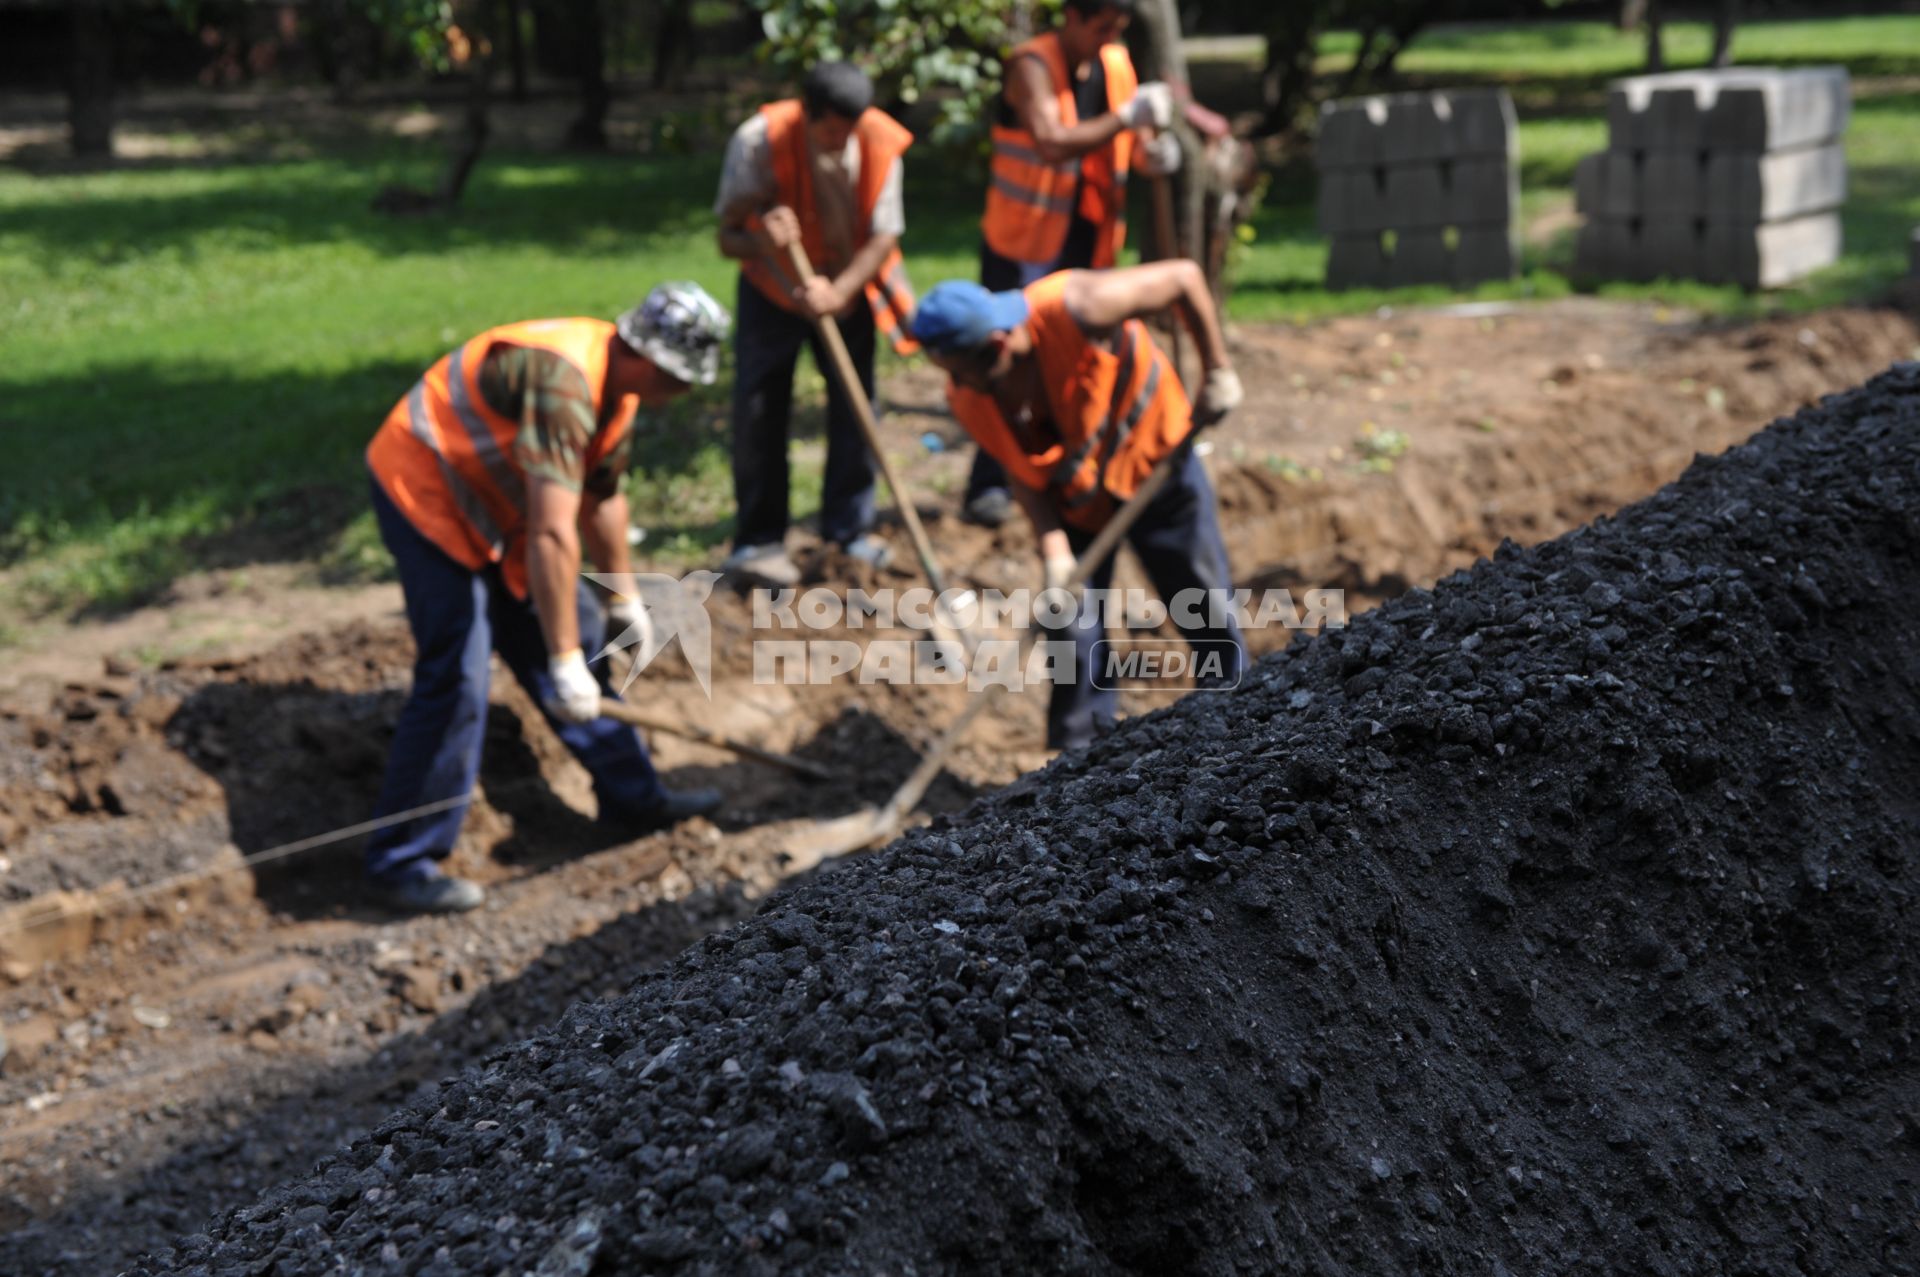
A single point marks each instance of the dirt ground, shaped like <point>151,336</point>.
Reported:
<point>163,1008</point>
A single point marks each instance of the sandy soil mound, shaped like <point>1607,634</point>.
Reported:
<point>1557,919</point>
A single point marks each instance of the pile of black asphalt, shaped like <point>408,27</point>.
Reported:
<point>1558,919</point>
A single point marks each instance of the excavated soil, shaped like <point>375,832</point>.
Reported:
<point>175,1051</point>
<point>1557,919</point>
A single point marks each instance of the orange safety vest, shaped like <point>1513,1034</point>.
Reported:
<point>1117,415</point>
<point>882,143</point>
<point>1030,203</point>
<point>445,459</point>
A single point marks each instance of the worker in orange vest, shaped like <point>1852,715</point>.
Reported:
<point>1071,122</point>
<point>1061,383</point>
<point>488,477</point>
<point>824,171</point>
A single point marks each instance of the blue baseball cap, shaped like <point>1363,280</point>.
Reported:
<point>960,315</point>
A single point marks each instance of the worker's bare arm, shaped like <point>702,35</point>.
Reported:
<point>1103,300</point>
<point>553,560</point>
<point>603,529</point>
<point>830,297</point>
<point>1030,94</point>
<point>740,238</point>
<point>1048,533</point>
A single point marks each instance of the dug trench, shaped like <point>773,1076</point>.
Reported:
<point>1559,918</point>
<point>168,1059</point>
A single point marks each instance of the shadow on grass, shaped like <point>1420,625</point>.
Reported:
<point>141,472</point>
<point>570,203</point>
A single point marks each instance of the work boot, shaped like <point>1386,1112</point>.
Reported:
<point>429,891</point>
<point>869,549</point>
<point>990,509</point>
<point>679,805</point>
<point>765,564</point>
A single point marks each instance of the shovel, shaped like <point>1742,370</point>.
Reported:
<point>849,380</point>
<point>877,824</point>
<point>635,717</point>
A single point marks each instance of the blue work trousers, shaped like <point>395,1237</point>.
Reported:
<point>1178,540</point>
<point>766,348</point>
<point>459,618</point>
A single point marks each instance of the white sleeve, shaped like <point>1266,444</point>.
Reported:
<point>890,210</point>
<point>747,171</point>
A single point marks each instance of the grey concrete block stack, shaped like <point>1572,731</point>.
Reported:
<point>1419,188</point>
<point>1731,176</point>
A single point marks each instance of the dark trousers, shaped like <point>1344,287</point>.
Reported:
<point>459,617</point>
<point>999,274</point>
<point>1178,540</point>
<point>766,346</point>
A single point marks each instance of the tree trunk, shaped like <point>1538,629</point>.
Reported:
<point>1357,74</point>
<point>673,44</point>
<point>1725,18</point>
<point>1656,54</point>
<point>1287,84</point>
<point>90,78</point>
<point>589,128</point>
<point>477,125</point>
<point>516,50</point>
<point>1632,14</point>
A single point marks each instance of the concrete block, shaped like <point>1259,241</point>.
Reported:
<point>1416,196</point>
<point>1419,127</point>
<point>1420,257</point>
<point>1350,132</point>
<point>1648,112</point>
<point>1620,197</point>
<point>1736,109</point>
<point>1351,200</point>
<point>1762,109</point>
<point>1484,124</point>
<point>1673,248</point>
<point>1590,184</point>
<point>1753,187</point>
<point>1483,253</point>
<point>1609,248</point>
<point>1772,253</point>
<point>1356,261</point>
<point>1670,184</point>
<point>1483,192</point>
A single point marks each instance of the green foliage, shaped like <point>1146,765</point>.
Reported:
<point>943,53</point>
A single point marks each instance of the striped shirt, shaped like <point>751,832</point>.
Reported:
<point>553,405</point>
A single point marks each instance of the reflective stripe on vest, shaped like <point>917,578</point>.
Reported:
<point>1030,202</point>
<point>465,499</point>
<point>1123,415</point>
<point>507,479</point>
<point>1061,204</point>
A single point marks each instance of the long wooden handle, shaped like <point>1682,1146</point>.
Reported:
<point>869,426</point>
<point>908,796</point>
<point>1168,245</point>
<point>635,717</point>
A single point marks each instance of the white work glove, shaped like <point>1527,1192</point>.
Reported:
<point>1219,396</point>
<point>575,697</point>
<point>1151,107</point>
<point>629,624</point>
<point>1160,155</point>
<point>1057,571</point>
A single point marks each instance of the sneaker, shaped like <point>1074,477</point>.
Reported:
<point>869,549</point>
<point>678,805</point>
<point>431,892</point>
<point>990,509</point>
<point>765,564</point>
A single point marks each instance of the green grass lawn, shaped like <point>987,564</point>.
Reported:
<point>198,354</point>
